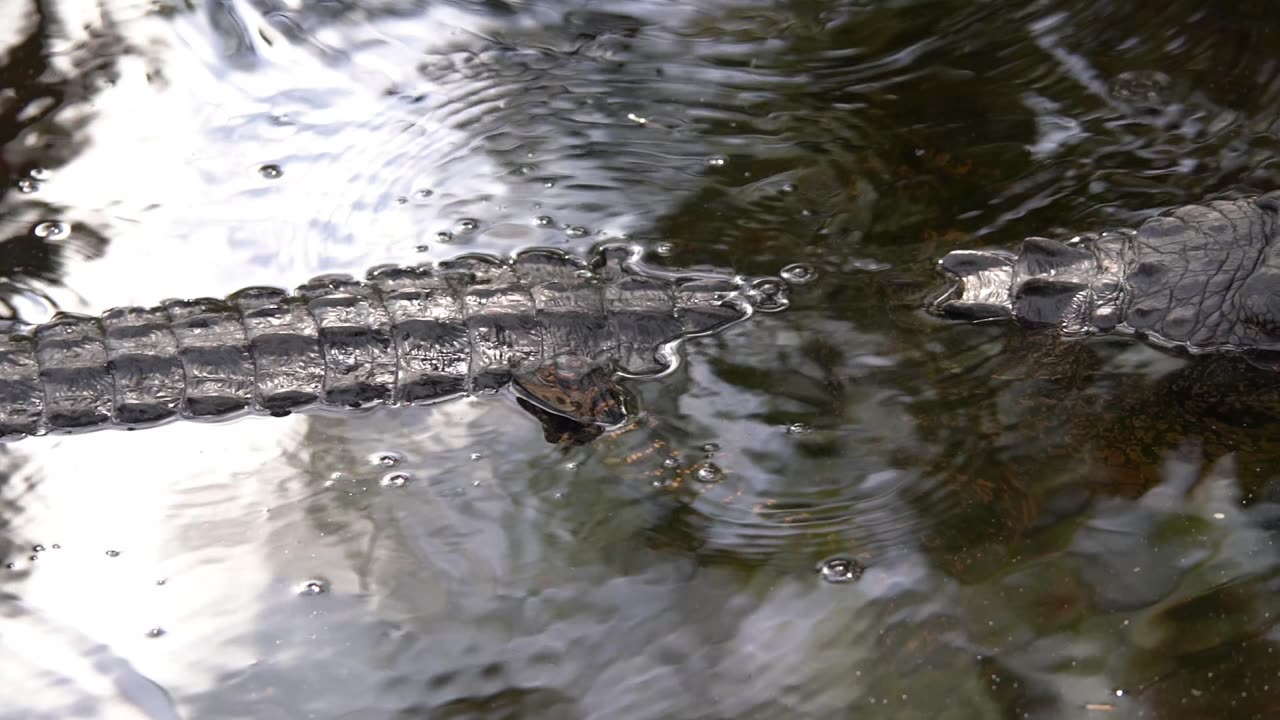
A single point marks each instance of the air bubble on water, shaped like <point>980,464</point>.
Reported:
<point>544,221</point>
<point>395,479</point>
<point>664,249</point>
<point>314,586</point>
<point>38,173</point>
<point>467,225</point>
<point>798,273</point>
<point>383,459</point>
<point>710,447</point>
<point>162,581</point>
<point>768,295</point>
<point>1142,88</point>
<point>671,463</point>
<point>402,200</point>
<point>270,171</point>
<point>548,183</point>
<point>476,456</point>
<point>113,553</point>
<point>51,230</point>
<point>526,169</point>
<point>155,632</point>
<point>577,231</point>
<point>768,287</point>
<point>27,186</point>
<point>56,546</point>
<point>840,570</point>
<point>444,236</point>
<point>422,248</point>
<point>37,548</point>
<point>870,265</point>
<point>798,428</point>
<point>422,194</point>
<point>717,161</point>
<point>709,473</point>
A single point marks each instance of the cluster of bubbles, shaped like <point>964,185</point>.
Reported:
<point>31,182</point>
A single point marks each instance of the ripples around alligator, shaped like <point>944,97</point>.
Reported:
<point>850,508</point>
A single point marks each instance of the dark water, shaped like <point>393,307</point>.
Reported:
<point>850,509</point>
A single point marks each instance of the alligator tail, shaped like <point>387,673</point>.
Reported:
<point>410,335</point>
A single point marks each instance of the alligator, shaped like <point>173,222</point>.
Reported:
<point>557,329</point>
<point>1202,278</point>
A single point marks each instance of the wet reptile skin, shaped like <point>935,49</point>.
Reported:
<point>1204,278</point>
<point>404,335</point>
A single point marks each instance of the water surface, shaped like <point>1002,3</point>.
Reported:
<point>849,509</point>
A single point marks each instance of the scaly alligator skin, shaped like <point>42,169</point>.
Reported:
<point>1204,278</point>
<point>403,336</point>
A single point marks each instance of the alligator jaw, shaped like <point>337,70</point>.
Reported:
<point>982,283</point>
<point>1074,286</point>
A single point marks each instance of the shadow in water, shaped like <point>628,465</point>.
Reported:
<point>50,77</point>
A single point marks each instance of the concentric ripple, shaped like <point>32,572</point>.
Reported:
<point>846,507</point>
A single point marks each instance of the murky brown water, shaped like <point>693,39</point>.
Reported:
<point>895,516</point>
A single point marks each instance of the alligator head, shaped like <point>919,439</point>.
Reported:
<point>1204,278</point>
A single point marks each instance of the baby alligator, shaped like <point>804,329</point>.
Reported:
<point>556,328</point>
<point>1204,278</point>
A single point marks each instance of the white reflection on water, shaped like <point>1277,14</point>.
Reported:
<point>178,505</point>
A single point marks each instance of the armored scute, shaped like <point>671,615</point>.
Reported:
<point>1204,278</point>
<point>546,321</point>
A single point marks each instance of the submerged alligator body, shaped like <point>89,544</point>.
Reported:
<point>1204,278</point>
<point>557,327</point>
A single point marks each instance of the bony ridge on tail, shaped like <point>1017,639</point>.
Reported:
<point>557,329</point>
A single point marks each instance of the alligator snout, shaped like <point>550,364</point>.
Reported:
<point>980,288</point>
